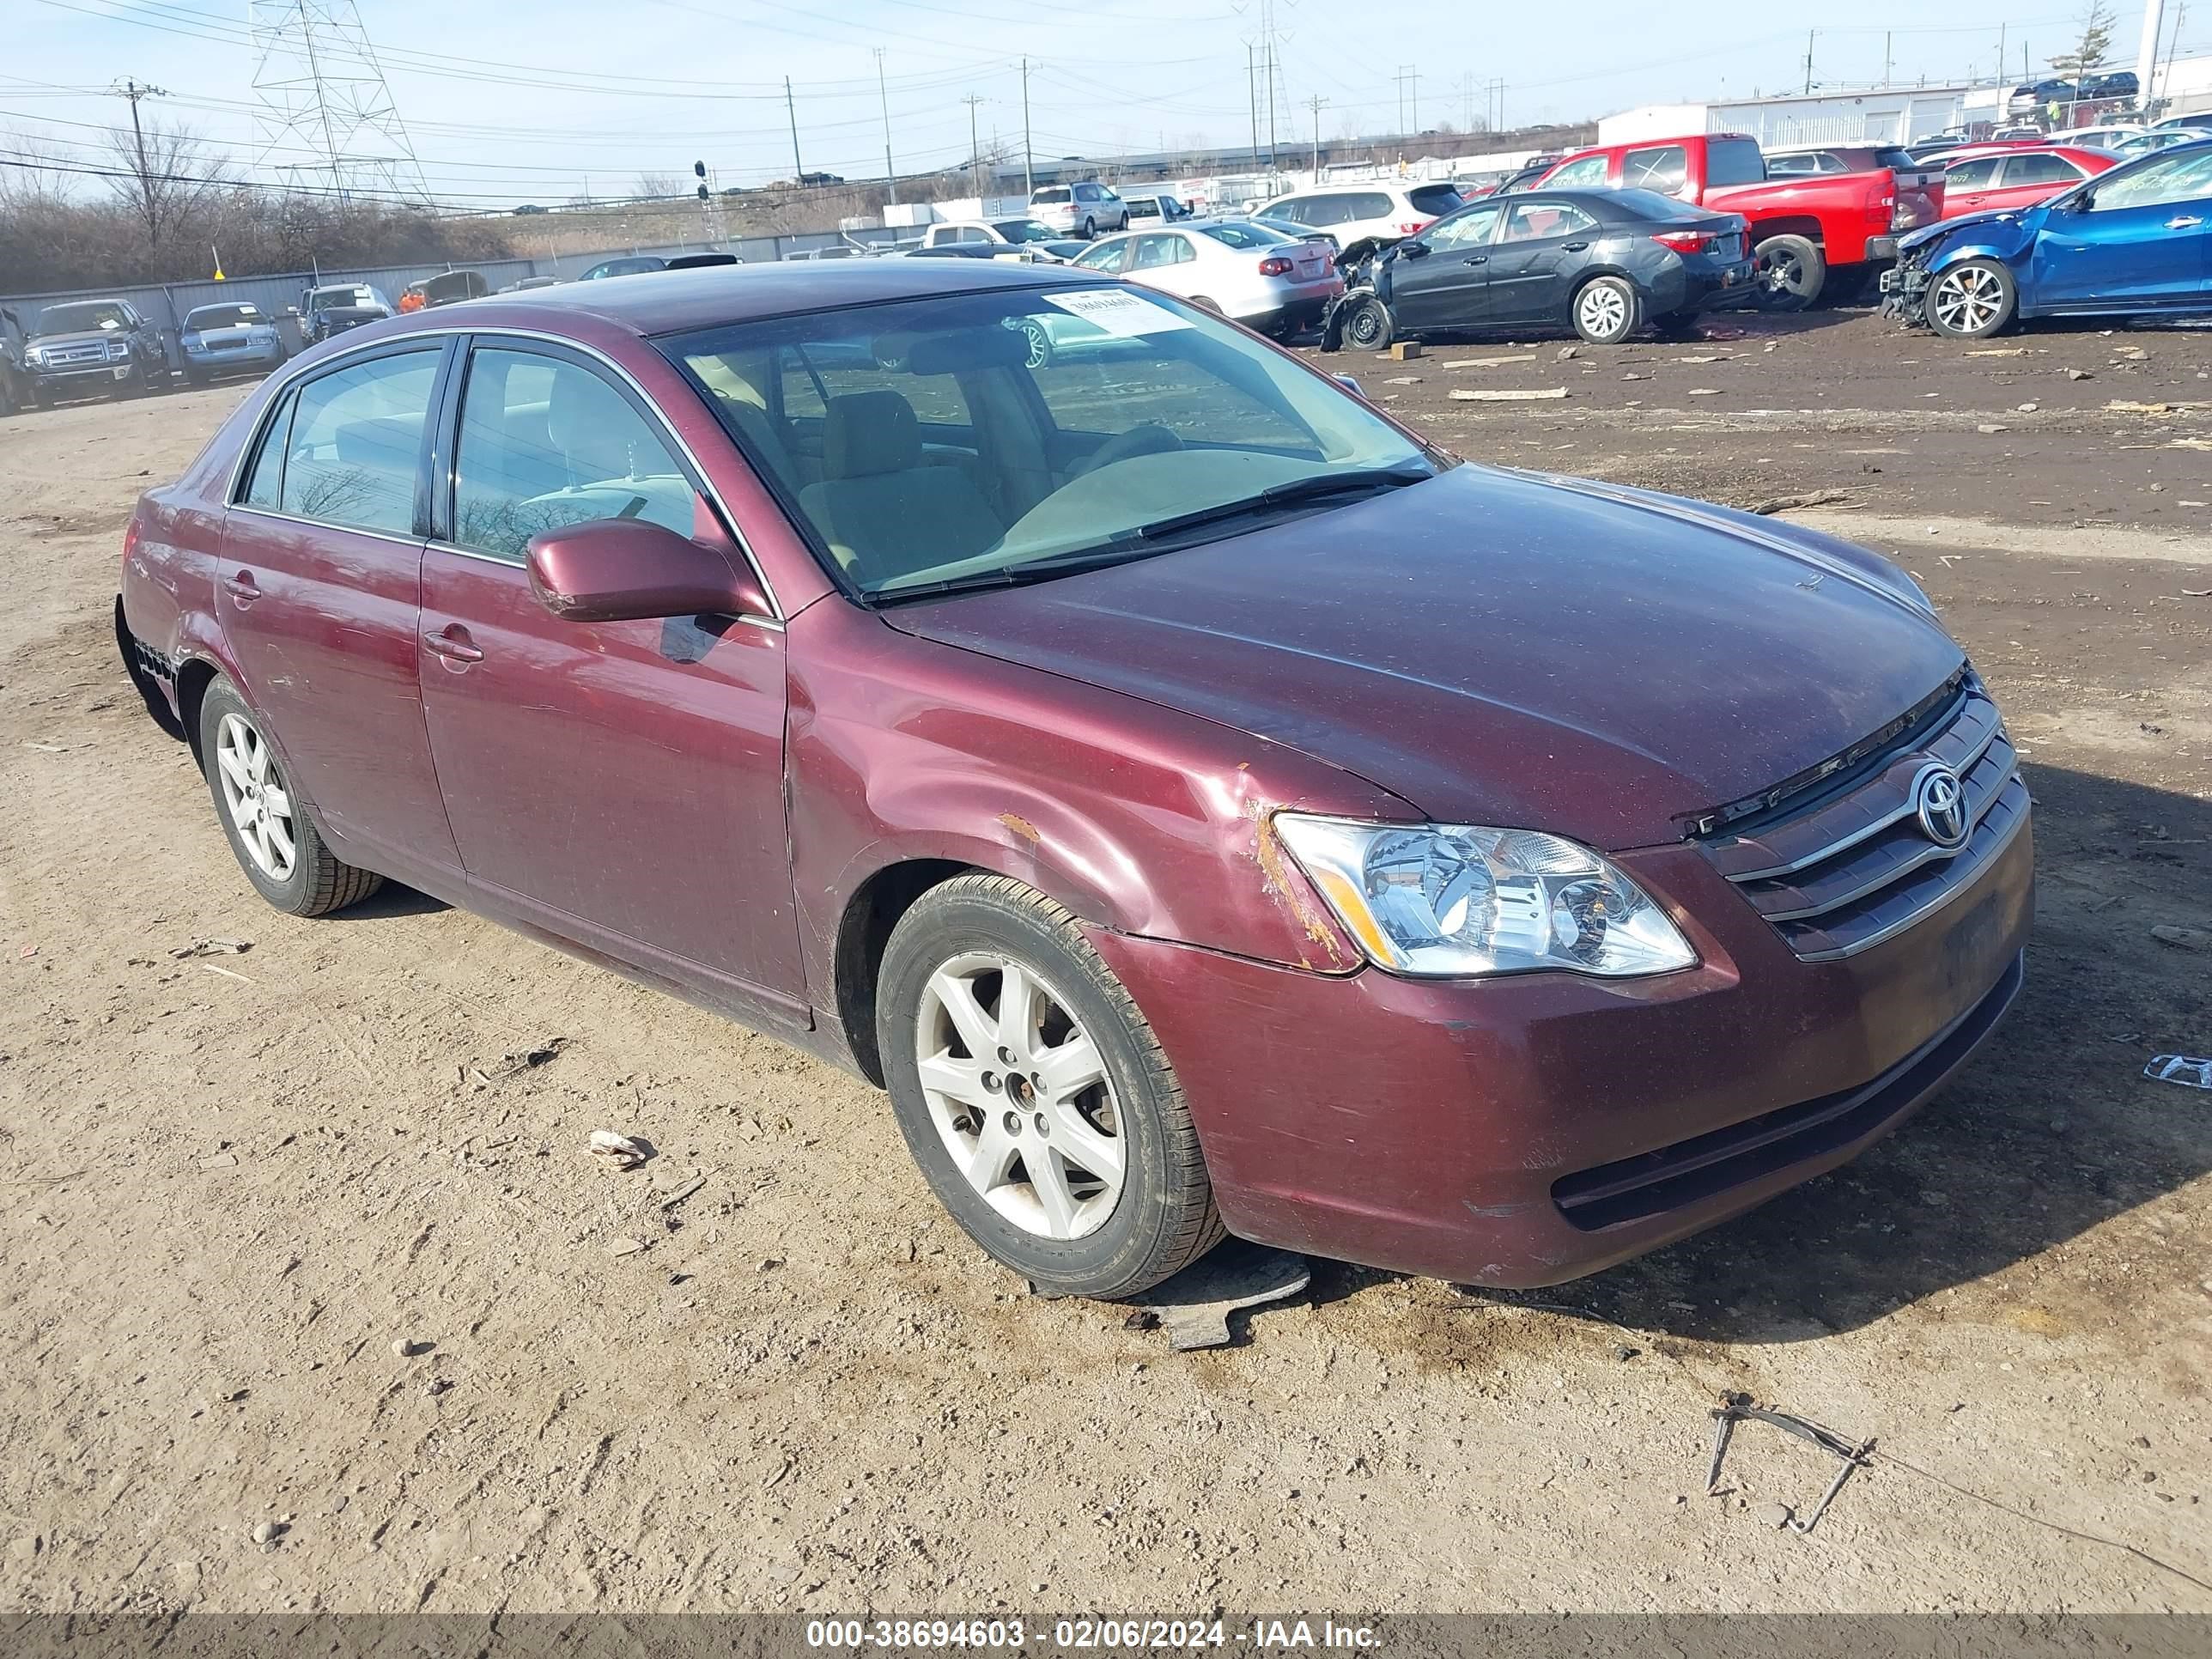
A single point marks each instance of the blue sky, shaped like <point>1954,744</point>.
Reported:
<point>509,102</point>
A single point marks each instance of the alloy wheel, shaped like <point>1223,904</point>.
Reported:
<point>253,792</point>
<point>1018,1093</point>
<point>1967,300</point>
<point>1601,311</point>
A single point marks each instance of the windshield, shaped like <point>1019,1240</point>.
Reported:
<point>326,298</point>
<point>81,317</point>
<point>235,316</point>
<point>1734,161</point>
<point>1025,230</point>
<point>965,439</point>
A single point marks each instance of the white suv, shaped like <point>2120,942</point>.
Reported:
<point>1079,209</point>
<point>1363,219</point>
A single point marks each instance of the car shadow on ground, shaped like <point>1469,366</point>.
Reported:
<point>2050,1132</point>
<point>390,901</point>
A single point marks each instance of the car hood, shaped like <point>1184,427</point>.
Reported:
<point>1944,227</point>
<point>1497,648</point>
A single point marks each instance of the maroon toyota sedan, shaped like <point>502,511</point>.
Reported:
<point>1202,805</point>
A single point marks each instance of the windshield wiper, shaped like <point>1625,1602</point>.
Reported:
<point>1145,540</point>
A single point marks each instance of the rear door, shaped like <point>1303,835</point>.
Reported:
<point>617,784</point>
<point>2024,180</point>
<point>1539,248</point>
<point>1442,287</point>
<point>317,593</point>
<point>1971,186</point>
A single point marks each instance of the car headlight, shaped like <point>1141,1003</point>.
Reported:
<point>1453,899</point>
<point>34,354</point>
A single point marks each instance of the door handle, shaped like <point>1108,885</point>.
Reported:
<point>2184,222</point>
<point>241,587</point>
<point>1576,247</point>
<point>1476,259</point>
<point>453,644</point>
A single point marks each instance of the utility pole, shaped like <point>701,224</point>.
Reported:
<point>1885,38</point>
<point>975,149</point>
<point>1315,104</point>
<point>2146,50</point>
<point>891,175</point>
<point>1029,166</point>
<point>1272,72</point>
<point>1810,36</point>
<point>2000,63</point>
<point>1252,86</point>
<point>134,92</point>
<point>1405,73</point>
<point>798,167</point>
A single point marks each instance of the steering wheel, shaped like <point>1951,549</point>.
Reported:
<point>1150,439</point>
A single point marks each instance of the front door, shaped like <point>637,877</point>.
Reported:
<point>2142,239</point>
<point>1540,247</point>
<point>618,784</point>
<point>1441,288</point>
<point>317,595</point>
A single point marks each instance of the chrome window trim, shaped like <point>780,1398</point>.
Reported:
<point>300,376</point>
<point>1938,903</point>
<point>1845,843</point>
<point>319,524</point>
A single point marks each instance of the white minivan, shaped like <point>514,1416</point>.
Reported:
<point>1083,209</point>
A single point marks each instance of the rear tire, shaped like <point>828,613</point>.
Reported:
<point>1367,326</point>
<point>1607,310</point>
<point>272,830</point>
<point>1972,299</point>
<point>1039,344</point>
<point>1796,271</point>
<point>1089,231</point>
<point>1071,1077</point>
<point>1207,302</point>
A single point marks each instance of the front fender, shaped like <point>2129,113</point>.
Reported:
<point>1981,245</point>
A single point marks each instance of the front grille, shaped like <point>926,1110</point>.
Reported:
<point>1838,871</point>
<point>70,356</point>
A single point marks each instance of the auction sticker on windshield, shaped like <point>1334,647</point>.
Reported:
<point>1116,311</point>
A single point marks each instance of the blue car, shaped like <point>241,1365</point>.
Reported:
<point>2134,241</point>
<point>224,339</point>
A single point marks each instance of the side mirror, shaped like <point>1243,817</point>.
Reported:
<point>1412,250</point>
<point>628,570</point>
<point>1350,383</point>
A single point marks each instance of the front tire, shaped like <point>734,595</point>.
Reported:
<point>1607,310</point>
<point>1367,326</point>
<point>271,832</point>
<point>1034,1095</point>
<point>1973,299</point>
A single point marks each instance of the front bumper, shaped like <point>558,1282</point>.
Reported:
<point>1528,1130</point>
<point>82,377</point>
<point>210,362</point>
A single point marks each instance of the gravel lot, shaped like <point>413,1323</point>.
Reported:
<point>230,1185</point>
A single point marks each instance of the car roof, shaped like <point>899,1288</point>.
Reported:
<point>669,301</point>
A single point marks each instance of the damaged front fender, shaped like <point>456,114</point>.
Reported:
<point>1923,254</point>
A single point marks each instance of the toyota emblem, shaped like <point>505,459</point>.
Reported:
<point>1940,800</point>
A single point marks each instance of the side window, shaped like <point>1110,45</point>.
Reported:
<point>265,478</point>
<point>1469,229</point>
<point>1791,166</point>
<point>1370,204</point>
<point>1296,209</point>
<point>1665,169</point>
<point>1530,221</point>
<point>544,443</point>
<point>2052,170</point>
<point>1109,259</point>
<point>1155,250</point>
<point>1588,173</point>
<point>1326,211</point>
<point>1972,175</point>
<point>356,442</point>
<point>2177,179</point>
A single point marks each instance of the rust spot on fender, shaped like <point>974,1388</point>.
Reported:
<point>1021,826</point>
<point>1283,883</point>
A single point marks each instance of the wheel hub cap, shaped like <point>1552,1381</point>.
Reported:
<point>254,795</point>
<point>1018,1094</point>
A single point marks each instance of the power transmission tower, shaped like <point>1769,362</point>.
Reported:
<point>322,93</point>
<point>1408,75</point>
<point>975,149</point>
<point>1252,86</point>
<point>1029,164</point>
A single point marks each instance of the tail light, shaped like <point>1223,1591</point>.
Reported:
<point>1273,266</point>
<point>1682,241</point>
<point>130,538</point>
<point>1408,229</point>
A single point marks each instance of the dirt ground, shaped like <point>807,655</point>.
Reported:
<point>229,1185</point>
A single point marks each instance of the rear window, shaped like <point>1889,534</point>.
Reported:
<point>1734,161</point>
<point>1244,235</point>
<point>1898,160</point>
<point>1438,199</point>
<point>1050,196</point>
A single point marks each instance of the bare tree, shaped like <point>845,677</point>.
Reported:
<point>659,185</point>
<point>167,177</point>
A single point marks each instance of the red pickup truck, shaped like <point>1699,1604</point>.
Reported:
<point>1806,230</point>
